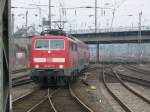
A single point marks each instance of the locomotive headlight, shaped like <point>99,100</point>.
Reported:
<point>36,66</point>
<point>61,66</point>
<point>48,51</point>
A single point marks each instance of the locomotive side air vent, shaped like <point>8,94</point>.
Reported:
<point>54,32</point>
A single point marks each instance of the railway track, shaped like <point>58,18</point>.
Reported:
<point>45,105</point>
<point>123,102</point>
<point>20,70</point>
<point>62,101</point>
<point>86,107</point>
<point>18,81</point>
<point>48,100</point>
<point>136,69</point>
<point>135,80</point>
<point>90,68</point>
<point>72,102</point>
<point>21,79</point>
<point>26,102</point>
<point>133,76</point>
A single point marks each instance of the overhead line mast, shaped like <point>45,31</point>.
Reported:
<point>50,14</point>
<point>95,16</point>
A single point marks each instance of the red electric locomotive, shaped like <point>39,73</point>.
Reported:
<point>57,57</point>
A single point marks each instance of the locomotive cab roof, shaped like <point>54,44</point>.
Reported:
<point>54,32</point>
<point>58,32</point>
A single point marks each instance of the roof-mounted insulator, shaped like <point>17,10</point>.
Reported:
<point>54,32</point>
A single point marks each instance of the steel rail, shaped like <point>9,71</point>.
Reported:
<point>79,100</point>
<point>20,70</point>
<point>131,90</point>
<point>132,79</point>
<point>114,96</point>
<point>135,80</point>
<point>34,105</point>
<point>38,104</point>
<point>50,100</point>
<point>25,95</point>
<point>21,82</point>
<point>133,68</point>
<point>34,108</point>
<point>20,77</point>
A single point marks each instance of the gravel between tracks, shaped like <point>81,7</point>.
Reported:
<point>133,102</point>
<point>142,89</point>
<point>64,102</point>
<point>20,74</point>
<point>21,90</point>
<point>29,101</point>
<point>143,66</point>
<point>98,99</point>
<point>44,107</point>
<point>131,73</point>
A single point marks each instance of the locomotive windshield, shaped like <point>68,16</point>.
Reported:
<point>57,44</point>
<point>51,44</point>
<point>42,44</point>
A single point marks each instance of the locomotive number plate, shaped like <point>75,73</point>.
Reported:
<point>49,60</point>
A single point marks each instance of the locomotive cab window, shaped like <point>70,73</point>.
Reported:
<point>42,44</point>
<point>51,44</point>
<point>57,44</point>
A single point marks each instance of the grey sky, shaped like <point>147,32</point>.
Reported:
<point>82,18</point>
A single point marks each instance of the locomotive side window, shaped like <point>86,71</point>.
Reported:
<point>73,46</point>
<point>42,44</point>
<point>57,44</point>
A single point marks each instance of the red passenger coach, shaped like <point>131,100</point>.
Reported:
<point>57,57</point>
